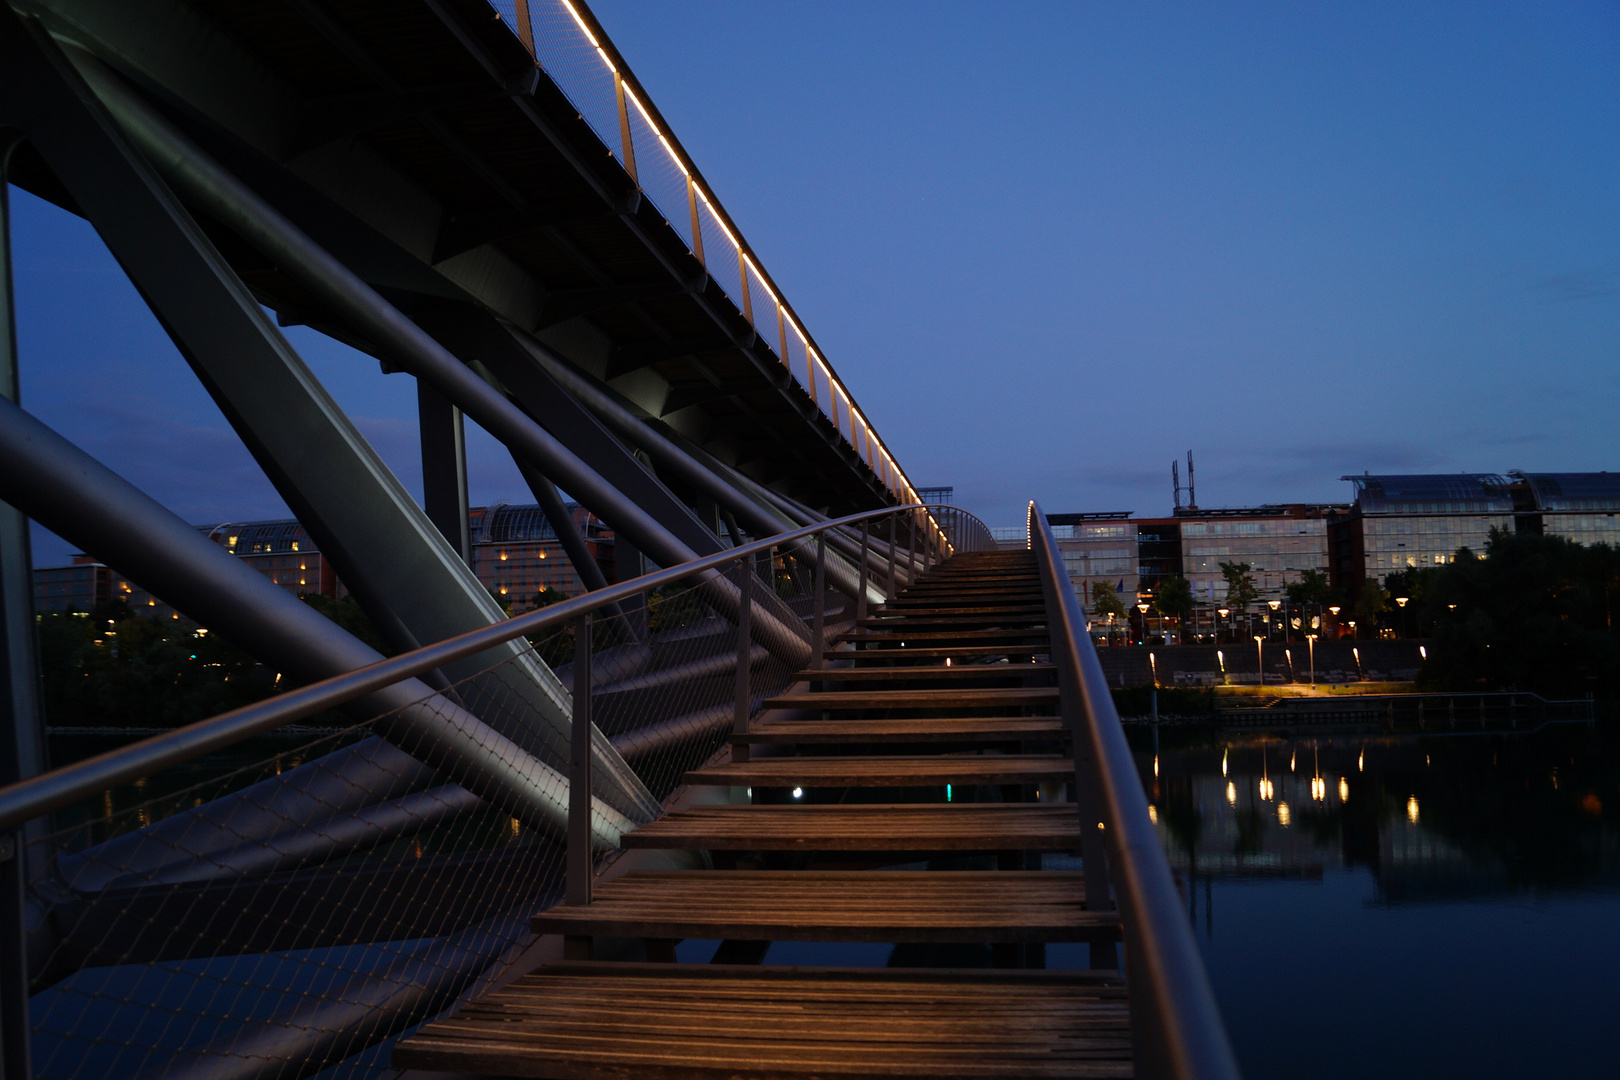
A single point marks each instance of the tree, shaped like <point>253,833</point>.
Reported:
<point>1174,597</point>
<point>1372,603</point>
<point>1105,600</point>
<point>1536,613</point>
<point>1240,590</point>
<point>1311,588</point>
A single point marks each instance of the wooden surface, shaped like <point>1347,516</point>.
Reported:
<point>925,729</point>
<point>875,700</point>
<point>934,770</point>
<point>583,1021</point>
<point>939,652</point>
<point>848,905</point>
<point>866,827</point>
<point>898,632</point>
<point>915,673</point>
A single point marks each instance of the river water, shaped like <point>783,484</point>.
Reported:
<point>1415,907</point>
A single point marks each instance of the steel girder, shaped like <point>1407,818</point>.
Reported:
<point>387,551</point>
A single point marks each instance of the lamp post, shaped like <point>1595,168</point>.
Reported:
<point>1259,659</point>
<point>1274,605</point>
<point>1335,610</point>
<point>1143,608</point>
<point>1223,613</point>
<point>1312,639</point>
<point>1400,601</point>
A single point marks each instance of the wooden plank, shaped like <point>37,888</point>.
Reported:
<point>937,652</point>
<point>922,729</point>
<point>956,698</point>
<point>967,637</point>
<point>873,827</point>
<point>876,906</point>
<point>691,1021</point>
<point>931,771</point>
<point>917,672</point>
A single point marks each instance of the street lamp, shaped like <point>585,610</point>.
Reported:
<point>1143,609</point>
<point>1274,605</point>
<point>1335,610</point>
<point>1223,613</point>
<point>1401,601</point>
<point>1312,639</point>
<point>1259,659</point>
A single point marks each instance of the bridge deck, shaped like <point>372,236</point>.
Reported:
<point>599,1020</point>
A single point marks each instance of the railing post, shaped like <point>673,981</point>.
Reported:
<point>626,141</point>
<point>860,598</point>
<point>525,26</point>
<point>912,555</point>
<point>818,622</point>
<point>580,856</point>
<point>892,591</point>
<point>745,649</point>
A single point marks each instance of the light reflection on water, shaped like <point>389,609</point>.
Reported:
<point>1405,908</point>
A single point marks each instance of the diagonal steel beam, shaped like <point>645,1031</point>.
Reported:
<point>387,551</point>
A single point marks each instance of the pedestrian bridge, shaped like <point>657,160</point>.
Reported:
<point>798,709</point>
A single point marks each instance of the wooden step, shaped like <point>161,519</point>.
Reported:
<point>935,771</point>
<point>949,729</point>
<point>605,1021</point>
<point>846,905</point>
<point>924,672</point>
<point>876,827</point>
<point>897,623</point>
<point>979,612</point>
<point>935,652</point>
<point>966,697</point>
<point>971,637</point>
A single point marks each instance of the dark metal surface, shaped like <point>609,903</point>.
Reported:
<point>1177,1028</point>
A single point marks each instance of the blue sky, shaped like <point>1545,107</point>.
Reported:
<point>1052,246</point>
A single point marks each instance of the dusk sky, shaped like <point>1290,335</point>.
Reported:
<point>1051,247</point>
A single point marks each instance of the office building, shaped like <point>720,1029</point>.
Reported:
<point>515,555</point>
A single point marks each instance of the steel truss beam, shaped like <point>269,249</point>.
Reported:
<point>81,500</point>
<point>393,335</point>
<point>381,543</point>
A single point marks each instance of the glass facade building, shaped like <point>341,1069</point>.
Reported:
<point>1278,543</point>
<point>1578,506</point>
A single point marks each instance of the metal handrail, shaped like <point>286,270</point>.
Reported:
<point>698,199</point>
<point>48,791</point>
<point>1176,1027</point>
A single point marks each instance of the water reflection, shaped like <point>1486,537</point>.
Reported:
<point>1465,896</point>
<point>1435,816</point>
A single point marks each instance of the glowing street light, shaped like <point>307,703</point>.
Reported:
<point>1259,659</point>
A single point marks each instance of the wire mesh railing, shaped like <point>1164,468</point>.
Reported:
<point>574,52</point>
<point>225,900</point>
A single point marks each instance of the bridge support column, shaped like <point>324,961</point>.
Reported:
<point>444,468</point>
<point>22,721</point>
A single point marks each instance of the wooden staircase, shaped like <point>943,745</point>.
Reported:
<point>946,685</point>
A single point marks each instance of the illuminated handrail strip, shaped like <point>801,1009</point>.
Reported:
<point>773,325</point>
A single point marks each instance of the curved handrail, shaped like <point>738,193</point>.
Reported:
<point>1176,1026</point>
<point>59,787</point>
